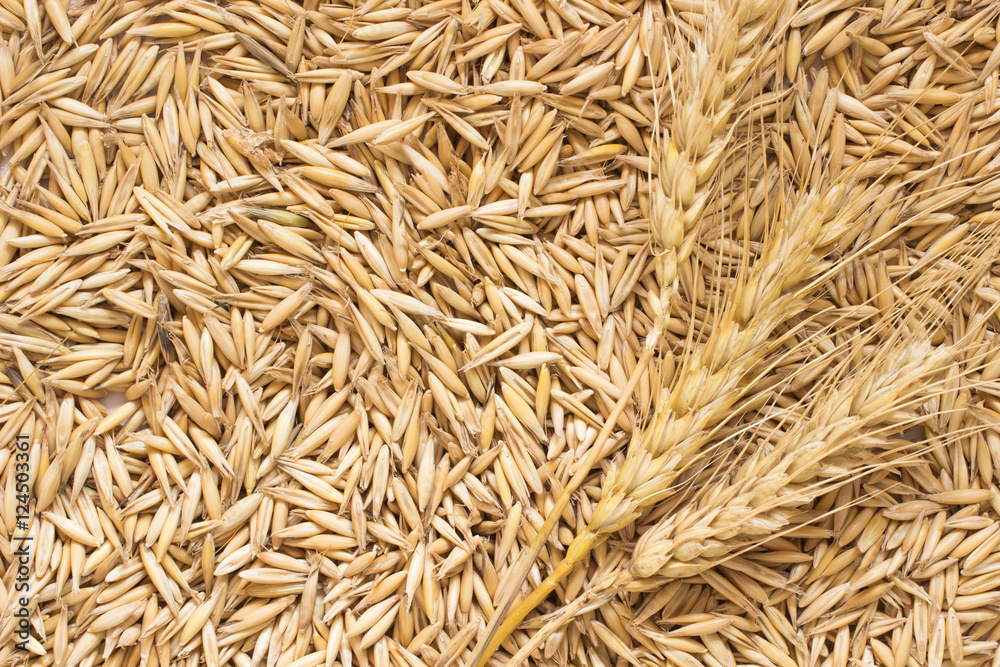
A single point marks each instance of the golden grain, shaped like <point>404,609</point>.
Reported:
<point>689,309</point>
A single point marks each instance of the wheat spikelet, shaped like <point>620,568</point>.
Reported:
<point>762,494</point>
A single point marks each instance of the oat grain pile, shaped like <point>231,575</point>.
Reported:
<point>510,332</point>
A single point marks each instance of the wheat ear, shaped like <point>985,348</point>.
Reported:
<point>768,488</point>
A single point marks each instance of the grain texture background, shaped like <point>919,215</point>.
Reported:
<point>548,332</point>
